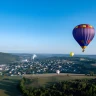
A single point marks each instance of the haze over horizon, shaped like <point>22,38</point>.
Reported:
<point>44,26</point>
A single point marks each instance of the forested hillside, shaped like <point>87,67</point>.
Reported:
<point>83,87</point>
<point>6,58</point>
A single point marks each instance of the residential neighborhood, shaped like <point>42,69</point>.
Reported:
<point>31,65</point>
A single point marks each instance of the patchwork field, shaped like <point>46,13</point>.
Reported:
<point>8,84</point>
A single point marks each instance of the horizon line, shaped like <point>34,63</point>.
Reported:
<point>45,53</point>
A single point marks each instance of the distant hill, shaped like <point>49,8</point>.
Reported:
<point>40,56</point>
<point>6,58</point>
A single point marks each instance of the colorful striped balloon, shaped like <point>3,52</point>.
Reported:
<point>83,34</point>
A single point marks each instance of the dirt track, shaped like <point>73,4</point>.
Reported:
<point>52,74</point>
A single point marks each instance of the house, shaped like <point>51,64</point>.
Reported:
<point>1,68</point>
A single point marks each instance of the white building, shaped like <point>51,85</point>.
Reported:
<point>1,68</point>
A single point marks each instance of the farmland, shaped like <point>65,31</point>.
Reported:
<point>8,84</point>
<point>42,79</point>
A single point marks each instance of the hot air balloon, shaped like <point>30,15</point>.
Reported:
<point>57,71</point>
<point>83,34</point>
<point>71,54</point>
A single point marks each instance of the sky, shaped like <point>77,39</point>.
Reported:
<point>44,26</point>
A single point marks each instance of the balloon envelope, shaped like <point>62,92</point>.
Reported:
<point>83,34</point>
<point>71,54</point>
<point>57,71</point>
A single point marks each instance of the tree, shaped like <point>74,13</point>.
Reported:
<point>91,73</point>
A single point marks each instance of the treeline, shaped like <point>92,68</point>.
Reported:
<point>84,87</point>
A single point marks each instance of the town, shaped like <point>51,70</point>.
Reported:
<point>34,65</point>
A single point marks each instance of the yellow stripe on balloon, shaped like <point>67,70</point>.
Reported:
<point>83,47</point>
<point>84,26</point>
<point>91,26</point>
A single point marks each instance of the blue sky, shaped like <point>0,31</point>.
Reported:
<point>44,26</point>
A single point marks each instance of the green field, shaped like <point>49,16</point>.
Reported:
<point>8,85</point>
<point>42,79</point>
